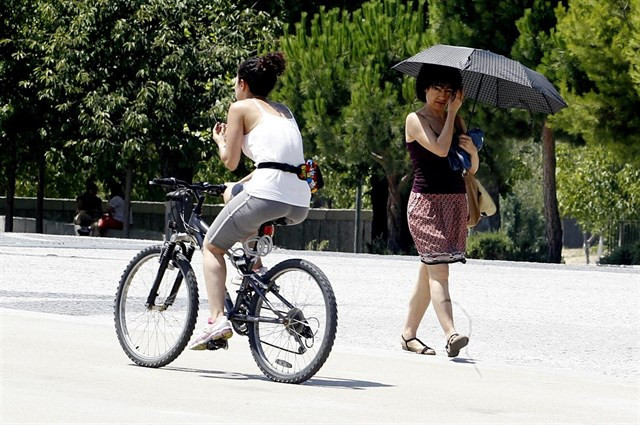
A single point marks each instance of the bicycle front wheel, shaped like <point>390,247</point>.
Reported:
<point>153,336</point>
<point>301,295</point>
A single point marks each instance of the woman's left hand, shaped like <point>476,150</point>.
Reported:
<point>467,144</point>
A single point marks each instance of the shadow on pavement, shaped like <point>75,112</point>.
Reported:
<point>314,382</point>
<point>463,360</point>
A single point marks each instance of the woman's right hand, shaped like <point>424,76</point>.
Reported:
<point>456,101</point>
<point>219,133</point>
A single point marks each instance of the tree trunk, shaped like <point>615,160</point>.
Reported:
<point>586,245</point>
<point>551,213</point>
<point>357,237</point>
<point>395,214</point>
<point>11,171</point>
<point>42,162</point>
<point>127,199</point>
<point>379,198</point>
<point>600,247</point>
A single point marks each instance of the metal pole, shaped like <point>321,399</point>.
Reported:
<point>357,237</point>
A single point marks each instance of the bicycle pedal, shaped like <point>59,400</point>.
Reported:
<point>217,344</point>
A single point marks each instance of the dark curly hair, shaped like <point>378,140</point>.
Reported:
<point>437,75</point>
<point>261,73</point>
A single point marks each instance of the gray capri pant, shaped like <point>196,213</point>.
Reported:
<point>243,216</point>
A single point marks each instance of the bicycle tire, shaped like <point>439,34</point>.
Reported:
<point>275,347</point>
<point>155,337</point>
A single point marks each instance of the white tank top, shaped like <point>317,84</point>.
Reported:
<point>276,139</point>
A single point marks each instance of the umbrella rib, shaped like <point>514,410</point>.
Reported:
<point>548,104</point>
<point>473,110</point>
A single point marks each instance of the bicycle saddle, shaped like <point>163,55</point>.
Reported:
<point>268,228</point>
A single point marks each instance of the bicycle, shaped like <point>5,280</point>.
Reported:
<point>288,313</point>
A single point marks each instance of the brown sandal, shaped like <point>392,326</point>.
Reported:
<point>455,343</point>
<point>424,350</point>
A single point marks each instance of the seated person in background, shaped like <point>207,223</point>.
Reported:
<point>114,218</point>
<point>89,208</point>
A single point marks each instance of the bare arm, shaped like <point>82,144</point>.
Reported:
<point>229,136</point>
<point>439,145</point>
<point>466,143</point>
<point>246,178</point>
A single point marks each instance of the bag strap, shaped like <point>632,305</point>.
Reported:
<point>280,166</point>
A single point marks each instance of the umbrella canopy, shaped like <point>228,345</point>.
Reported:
<point>491,78</point>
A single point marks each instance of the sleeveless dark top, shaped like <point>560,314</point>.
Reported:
<point>432,173</point>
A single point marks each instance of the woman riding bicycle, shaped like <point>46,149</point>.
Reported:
<point>264,131</point>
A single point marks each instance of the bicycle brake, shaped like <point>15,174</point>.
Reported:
<point>217,344</point>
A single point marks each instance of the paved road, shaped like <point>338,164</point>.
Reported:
<point>549,343</point>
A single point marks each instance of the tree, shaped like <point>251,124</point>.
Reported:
<point>535,29</point>
<point>517,29</point>
<point>22,113</point>
<point>290,11</point>
<point>596,66</point>
<point>633,44</point>
<point>140,82</point>
<point>349,102</point>
<point>597,188</point>
<point>599,88</point>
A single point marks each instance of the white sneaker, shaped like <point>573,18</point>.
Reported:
<point>221,329</point>
<point>237,279</point>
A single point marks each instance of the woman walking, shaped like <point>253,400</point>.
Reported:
<point>437,209</point>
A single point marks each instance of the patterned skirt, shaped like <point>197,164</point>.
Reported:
<point>438,225</point>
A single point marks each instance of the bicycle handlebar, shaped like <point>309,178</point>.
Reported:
<point>213,189</point>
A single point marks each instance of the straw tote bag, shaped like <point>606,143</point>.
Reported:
<point>478,199</point>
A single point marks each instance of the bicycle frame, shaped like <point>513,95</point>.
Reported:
<point>196,229</point>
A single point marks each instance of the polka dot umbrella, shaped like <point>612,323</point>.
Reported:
<point>491,78</point>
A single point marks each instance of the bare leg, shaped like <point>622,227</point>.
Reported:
<point>226,196</point>
<point>215,274</point>
<point>439,284</point>
<point>418,303</point>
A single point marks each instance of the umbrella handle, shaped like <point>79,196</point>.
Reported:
<point>475,100</point>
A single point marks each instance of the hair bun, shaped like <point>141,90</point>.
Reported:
<point>274,62</point>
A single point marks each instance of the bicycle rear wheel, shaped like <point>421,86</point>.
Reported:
<point>294,351</point>
<point>155,336</point>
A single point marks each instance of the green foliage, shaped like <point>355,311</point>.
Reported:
<point>596,66</point>
<point>632,46</point>
<point>314,245</point>
<point>22,112</point>
<point>290,11</point>
<point>349,102</point>
<point>524,225</point>
<point>138,82</point>
<point>595,187</point>
<point>521,211</point>
<point>378,246</point>
<point>487,24</point>
<point>489,246</point>
<point>623,255</point>
<point>484,24</point>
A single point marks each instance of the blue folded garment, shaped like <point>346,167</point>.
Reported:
<point>458,157</point>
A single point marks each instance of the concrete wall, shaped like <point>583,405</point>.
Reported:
<point>335,226</point>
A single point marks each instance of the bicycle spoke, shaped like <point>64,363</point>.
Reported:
<point>154,336</point>
<point>295,350</point>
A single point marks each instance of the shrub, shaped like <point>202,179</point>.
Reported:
<point>489,246</point>
<point>623,255</point>
<point>379,246</point>
<point>314,245</point>
<point>524,225</point>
